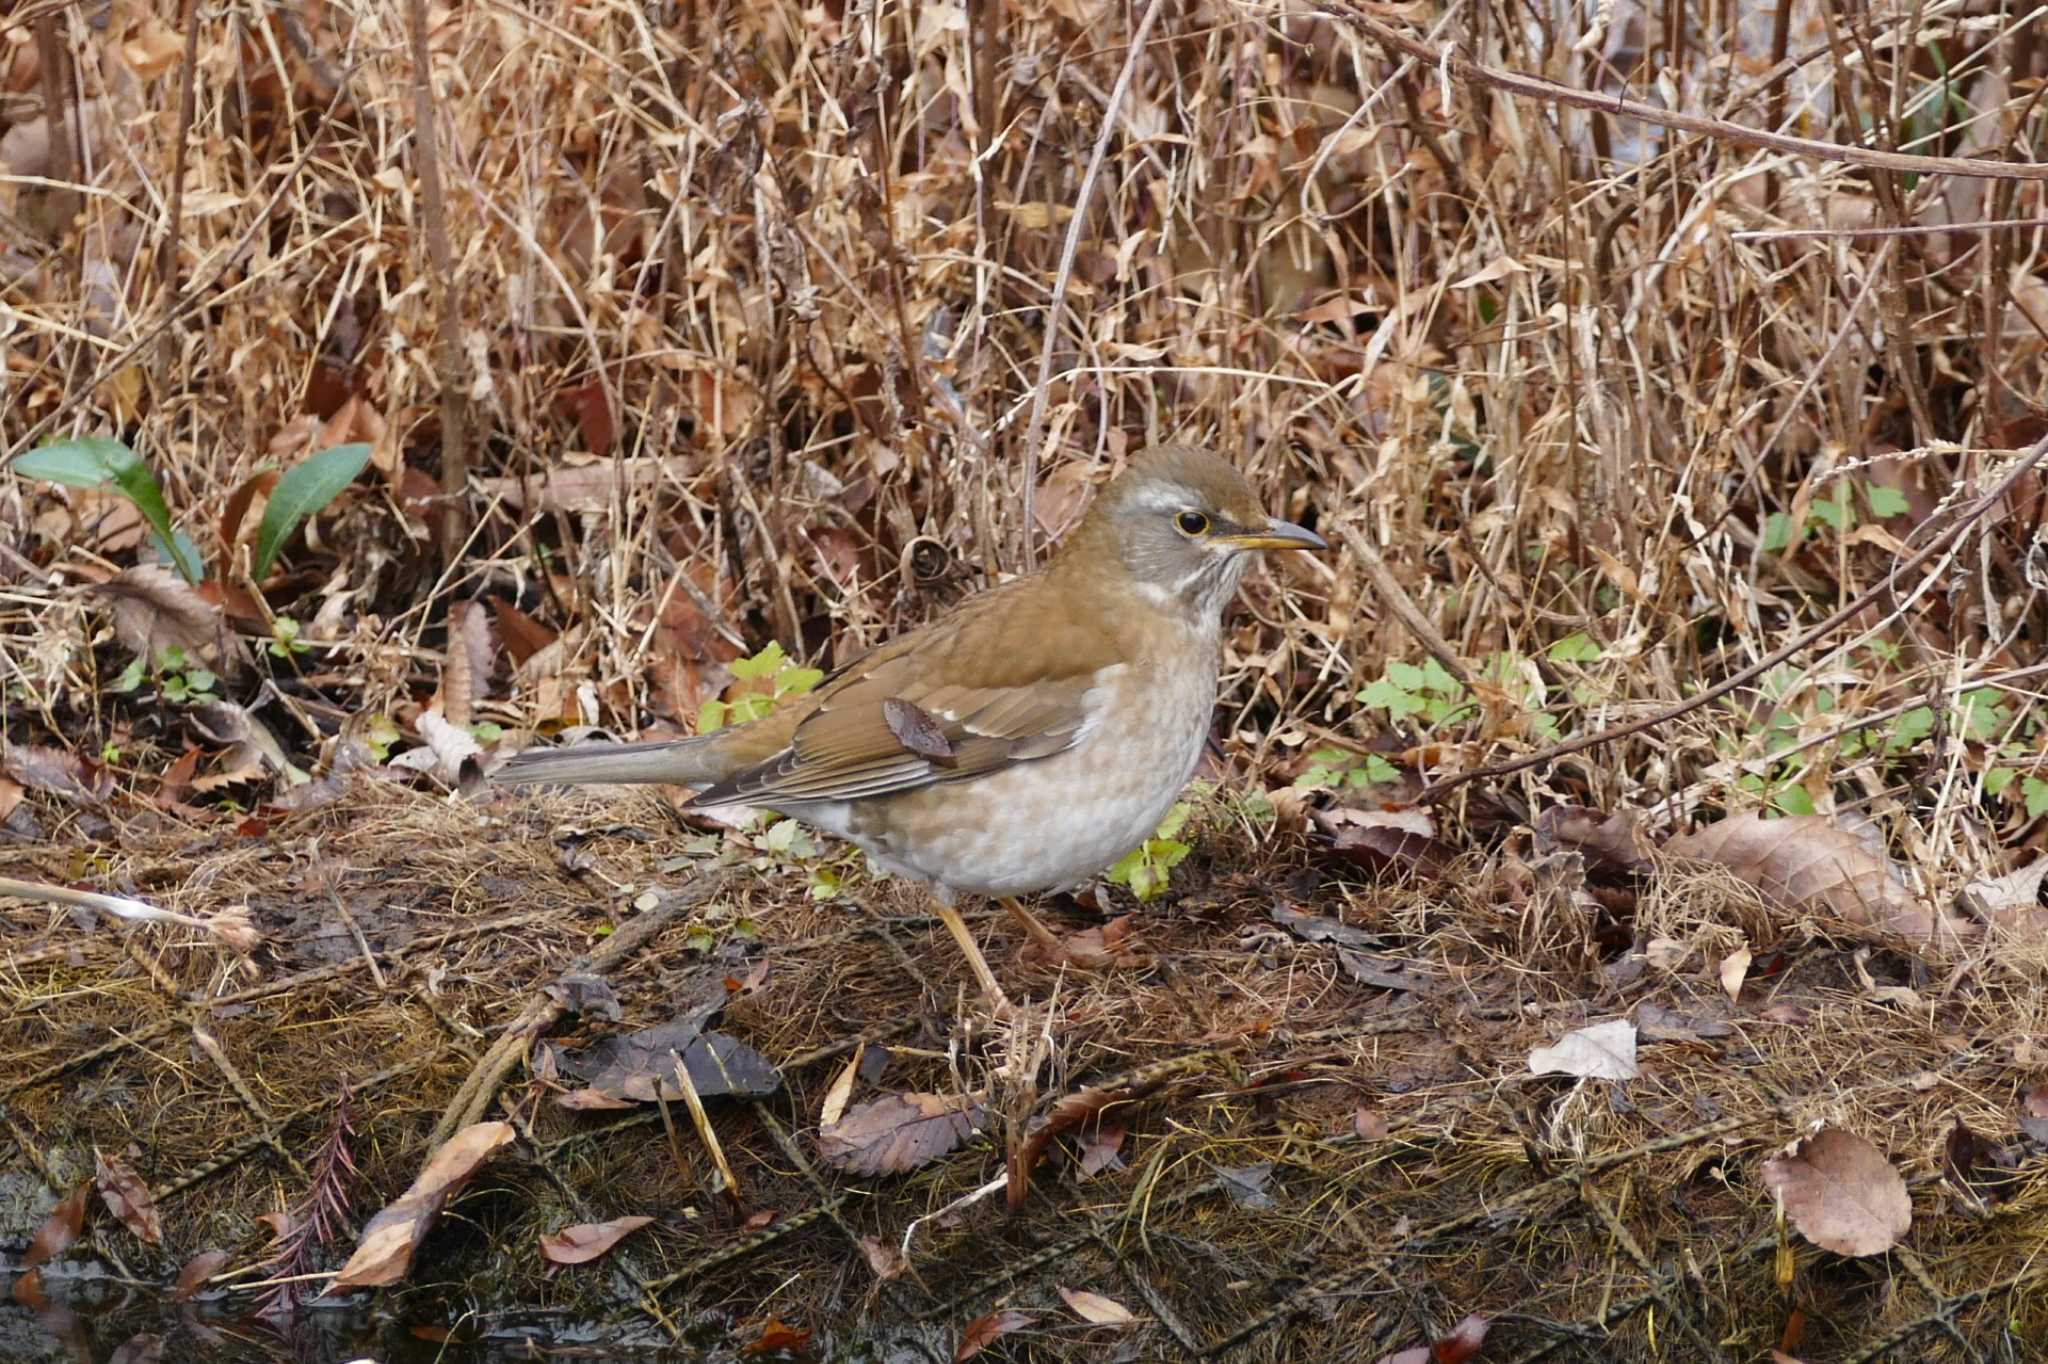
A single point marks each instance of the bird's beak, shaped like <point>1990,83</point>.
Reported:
<point>1278,534</point>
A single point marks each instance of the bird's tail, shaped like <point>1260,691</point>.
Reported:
<point>679,762</point>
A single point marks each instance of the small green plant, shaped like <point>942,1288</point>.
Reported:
<point>284,638</point>
<point>772,667</point>
<point>1147,868</point>
<point>1429,692</point>
<point>104,464</point>
<point>1837,514</point>
<point>1337,769</point>
<point>379,736</point>
<point>180,678</point>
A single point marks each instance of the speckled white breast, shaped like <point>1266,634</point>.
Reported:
<point>1053,823</point>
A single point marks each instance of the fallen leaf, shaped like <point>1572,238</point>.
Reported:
<point>886,1261</point>
<point>523,635</point>
<point>1386,842</point>
<point>1099,1151</point>
<point>1093,1307</point>
<point>127,1197</point>
<point>58,773</point>
<point>1978,1167</point>
<point>580,1244</point>
<point>1317,928</point>
<point>641,1066</point>
<point>1460,1345</point>
<point>1809,863</point>
<point>193,1277</point>
<point>1841,1193</point>
<point>1246,1185</point>
<point>389,1240</point>
<point>776,1337</point>
<point>2012,900</point>
<point>138,1349</point>
<point>984,1331</point>
<point>155,609</point>
<point>836,1098</point>
<point>1734,970</point>
<point>59,1230</point>
<point>1611,844</point>
<point>1370,1124</point>
<point>900,1132</point>
<point>1605,1051</point>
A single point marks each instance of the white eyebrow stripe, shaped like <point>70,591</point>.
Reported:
<point>1169,496</point>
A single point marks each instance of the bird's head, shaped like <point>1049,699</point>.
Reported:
<point>1183,525</point>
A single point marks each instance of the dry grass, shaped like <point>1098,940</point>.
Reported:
<point>751,307</point>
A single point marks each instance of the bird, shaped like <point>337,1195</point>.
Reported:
<point>1024,740</point>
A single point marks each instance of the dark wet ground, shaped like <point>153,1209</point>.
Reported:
<point>102,1322</point>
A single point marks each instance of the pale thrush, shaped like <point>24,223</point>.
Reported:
<point>1025,740</point>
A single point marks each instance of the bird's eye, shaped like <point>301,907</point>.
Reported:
<point>1191,522</point>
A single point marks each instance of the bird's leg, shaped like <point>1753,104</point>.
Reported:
<point>984,977</point>
<point>1052,947</point>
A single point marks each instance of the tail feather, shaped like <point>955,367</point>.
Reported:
<point>681,762</point>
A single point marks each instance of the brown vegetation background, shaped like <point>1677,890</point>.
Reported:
<point>719,324</point>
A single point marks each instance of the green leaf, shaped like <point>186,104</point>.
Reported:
<point>1407,676</point>
<point>1575,648</point>
<point>1884,502</point>
<point>1778,533</point>
<point>711,716</point>
<point>1910,728</point>
<point>131,676</point>
<point>1398,704</point>
<point>1995,781</point>
<point>762,665</point>
<point>1167,853</point>
<point>103,463</point>
<point>1792,799</point>
<point>304,489</point>
<point>1840,515</point>
<point>2036,792</point>
<point>1175,819</point>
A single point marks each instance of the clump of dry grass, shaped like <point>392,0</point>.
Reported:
<point>751,308</point>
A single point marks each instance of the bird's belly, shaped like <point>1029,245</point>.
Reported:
<point>1049,824</point>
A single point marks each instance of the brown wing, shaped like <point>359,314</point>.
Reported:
<point>1003,680</point>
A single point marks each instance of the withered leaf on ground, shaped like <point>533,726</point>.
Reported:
<point>887,1261</point>
<point>384,1255</point>
<point>984,1331</point>
<point>1604,1051</point>
<point>1099,1149</point>
<point>1318,928</point>
<point>640,1066</point>
<point>900,1132</point>
<point>59,1230</point>
<point>193,1277</point>
<point>1093,1307</point>
<point>1386,843</point>
<point>1841,1193</point>
<point>55,772</point>
<point>1611,844</point>
<point>586,1241</point>
<point>1978,1167</point>
<point>777,1337</point>
<point>128,1198</point>
<point>1809,863</point>
<point>138,1349</point>
<point>1460,1345</point>
<point>155,609</point>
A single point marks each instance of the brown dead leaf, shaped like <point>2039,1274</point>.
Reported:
<point>1370,1124</point>
<point>1099,1150</point>
<point>384,1255</point>
<point>1610,843</point>
<point>887,1261</point>
<point>837,1097</point>
<point>59,1230</point>
<point>1841,1193</point>
<point>466,671</point>
<point>523,635</point>
<point>55,772</point>
<point>128,1198</point>
<point>985,1331</point>
<point>1809,863</point>
<point>1460,1345</point>
<point>900,1132</point>
<point>200,1268</point>
<point>777,1337</point>
<point>1093,1307</point>
<point>1387,843</point>
<point>1735,970</point>
<point>584,488</point>
<point>586,1241</point>
<point>156,609</point>
<point>1979,1168</point>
